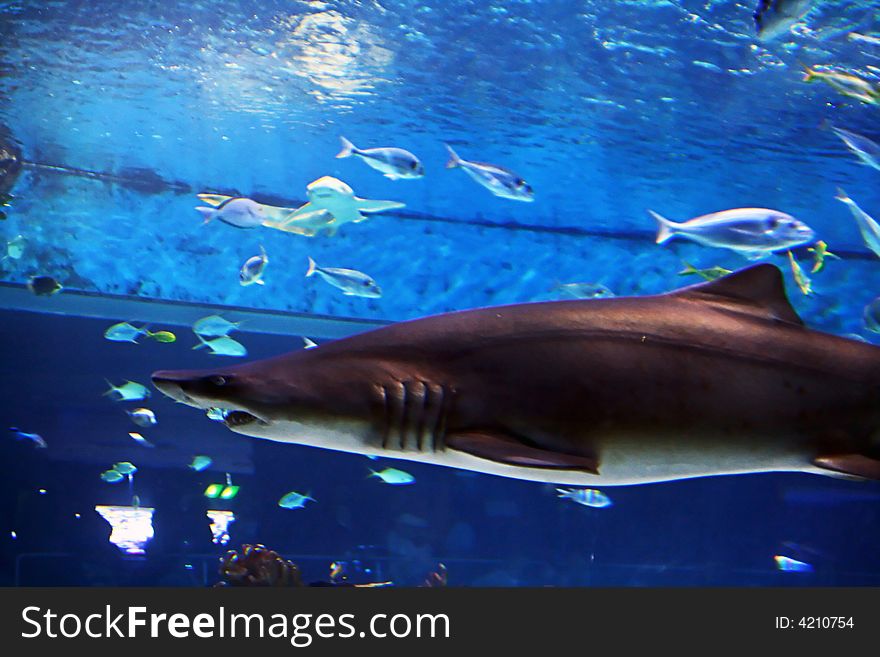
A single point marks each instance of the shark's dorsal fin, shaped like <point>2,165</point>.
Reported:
<point>758,290</point>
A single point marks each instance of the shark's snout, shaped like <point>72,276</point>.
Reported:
<point>208,389</point>
<point>170,383</point>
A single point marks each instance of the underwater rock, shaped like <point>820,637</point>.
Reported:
<point>10,164</point>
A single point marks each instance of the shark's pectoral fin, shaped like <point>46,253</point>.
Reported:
<point>854,465</point>
<point>367,205</point>
<point>506,449</point>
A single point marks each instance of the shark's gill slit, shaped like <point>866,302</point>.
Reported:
<point>423,425</point>
<point>444,408</point>
<point>405,414</point>
<point>394,402</point>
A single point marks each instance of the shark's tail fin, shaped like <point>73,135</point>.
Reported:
<point>348,149</point>
<point>665,228</point>
<point>207,213</point>
<point>313,267</point>
<point>454,159</point>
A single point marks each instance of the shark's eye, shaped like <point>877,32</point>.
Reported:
<point>217,380</point>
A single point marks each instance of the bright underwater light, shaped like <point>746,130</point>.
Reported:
<point>220,521</point>
<point>132,526</point>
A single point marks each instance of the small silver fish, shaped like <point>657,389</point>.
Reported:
<point>868,227</point>
<point>774,18</point>
<point>214,326</point>
<point>223,346</point>
<point>143,417</point>
<point>200,463</point>
<point>252,270</point>
<point>294,500</point>
<point>395,163</point>
<point>393,476</point>
<point>862,147</point>
<point>35,438</point>
<point>584,290</point>
<point>351,282</point>
<point>585,496</point>
<point>125,332</point>
<point>237,211</point>
<point>139,439</point>
<point>752,232</point>
<point>498,180</point>
<point>308,343</point>
<point>129,391</point>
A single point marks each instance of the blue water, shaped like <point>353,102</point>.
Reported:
<point>123,111</point>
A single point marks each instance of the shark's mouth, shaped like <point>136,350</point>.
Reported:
<point>242,418</point>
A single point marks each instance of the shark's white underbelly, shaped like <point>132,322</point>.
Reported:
<point>625,460</point>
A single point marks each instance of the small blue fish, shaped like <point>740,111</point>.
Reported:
<point>129,391</point>
<point>125,468</point>
<point>223,346</point>
<point>217,414</point>
<point>393,476</point>
<point>200,463</point>
<point>214,326</point>
<point>35,438</point>
<point>112,476</point>
<point>294,500</point>
<point>125,332</point>
<point>498,180</point>
<point>585,496</point>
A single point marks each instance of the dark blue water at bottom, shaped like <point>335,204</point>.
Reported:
<point>487,530</point>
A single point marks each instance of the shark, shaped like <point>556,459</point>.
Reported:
<point>331,204</point>
<point>719,378</point>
